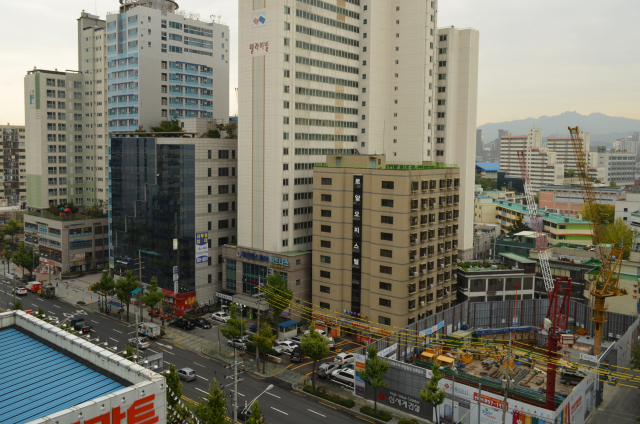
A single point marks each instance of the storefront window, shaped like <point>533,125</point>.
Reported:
<point>231,274</point>
<point>253,276</point>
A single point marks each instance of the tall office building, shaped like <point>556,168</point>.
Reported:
<point>479,143</point>
<point>14,174</point>
<point>563,147</point>
<point>141,65</point>
<point>320,79</point>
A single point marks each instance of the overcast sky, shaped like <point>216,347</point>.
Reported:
<point>537,58</point>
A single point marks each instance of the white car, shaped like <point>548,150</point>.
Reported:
<point>345,376</point>
<point>322,332</point>
<point>344,358</point>
<point>143,343</point>
<point>284,346</point>
<point>21,291</point>
<point>220,316</point>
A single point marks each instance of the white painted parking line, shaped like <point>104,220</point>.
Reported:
<point>113,339</point>
<point>316,413</point>
<point>279,411</point>
<point>93,321</point>
<point>199,365</point>
<point>153,351</point>
<point>117,331</point>
<point>50,313</point>
<point>56,306</point>
<point>271,394</point>
<point>202,391</point>
<point>41,300</point>
<point>199,376</point>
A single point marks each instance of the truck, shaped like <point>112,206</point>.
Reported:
<point>150,329</point>
<point>34,286</point>
<point>79,325</point>
<point>48,292</point>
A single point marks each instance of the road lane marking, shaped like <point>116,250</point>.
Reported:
<point>273,395</point>
<point>94,321</point>
<point>316,413</point>
<point>322,403</point>
<point>202,391</point>
<point>199,365</point>
<point>239,394</point>
<point>117,331</point>
<point>199,376</point>
<point>113,339</point>
<point>56,306</point>
<point>279,411</point>
<point>51,312</point>
<point>153,350</point>
<point>363,419</point>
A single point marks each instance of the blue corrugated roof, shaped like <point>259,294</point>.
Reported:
<point>287,324</point>
<point>37,381</point>
<point>489,166</point>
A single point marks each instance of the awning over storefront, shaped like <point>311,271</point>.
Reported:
<point>251,301</point>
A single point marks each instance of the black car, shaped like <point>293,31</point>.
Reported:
<point>202,323</point>
<point>296,354</point>
<point>184,323</point>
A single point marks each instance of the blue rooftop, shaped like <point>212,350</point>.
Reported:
<point>489,166</point>
<point>37,380</point>
<point>287,324</point>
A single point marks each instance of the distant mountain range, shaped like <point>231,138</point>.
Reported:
<point>604,129</point>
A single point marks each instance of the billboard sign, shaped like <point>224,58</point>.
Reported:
<point>202,248</point>
<point>359,385</point>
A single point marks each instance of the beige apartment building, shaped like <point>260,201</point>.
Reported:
<point>14,174</point>
<point>385,238</point>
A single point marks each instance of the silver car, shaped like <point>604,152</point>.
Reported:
<point>326,369</point>
<point>187,374</point>
<point>143,343</point>
<point>345,376</point>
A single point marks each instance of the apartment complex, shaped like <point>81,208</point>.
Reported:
<point>495,283</point>
<point>136,68</point>
<point>385,238</point>
<point>568,200</point>
<point>563,148</point>
<point>510,145</point>
<point>320,79</point>
<point>14,172</point>
<point>172,202</point>
<point>616,167</point>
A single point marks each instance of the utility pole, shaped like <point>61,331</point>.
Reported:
<point>138,305</point>
<point>235,389</point>
<point>257,348</point>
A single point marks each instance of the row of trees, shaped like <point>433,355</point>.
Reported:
<point>122,289</point>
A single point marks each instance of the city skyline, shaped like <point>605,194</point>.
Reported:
<point>550,51</point>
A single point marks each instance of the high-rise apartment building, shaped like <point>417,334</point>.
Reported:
<point>144,64</point>
<point>563,147</point>
<point>370,77</point>
<point>479,143</point>
<point>13,157</point>
<point>385,238</point>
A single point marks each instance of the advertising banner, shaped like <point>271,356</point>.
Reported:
<point>76,257</point>
<point>202,248</point>
<point>359,386</point>
<point>432,329</point>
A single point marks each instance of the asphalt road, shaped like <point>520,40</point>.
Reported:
<point>280,405</point>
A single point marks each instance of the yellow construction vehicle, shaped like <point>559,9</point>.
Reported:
<point>606,284</point>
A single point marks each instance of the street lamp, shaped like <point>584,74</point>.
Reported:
<point>247,406</point>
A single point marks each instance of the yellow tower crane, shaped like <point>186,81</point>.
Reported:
<point>606,285</point>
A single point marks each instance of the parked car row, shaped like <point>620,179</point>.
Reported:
<point>190,324</point>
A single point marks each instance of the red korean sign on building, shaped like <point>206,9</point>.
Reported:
<point>488,400</point>
<point>142,411</point>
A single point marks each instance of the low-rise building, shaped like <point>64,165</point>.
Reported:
<point>480,283</point>
<point>488,170</point>
<point>616,167</point>
<point>629,209</point>
<point>68,242</point>
<point>385,238</point>
<point>568,200</point>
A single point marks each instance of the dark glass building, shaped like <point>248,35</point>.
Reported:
<point>151,204</point>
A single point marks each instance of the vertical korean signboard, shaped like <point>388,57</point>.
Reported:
<point>356,244</point>
<point>202,248</point>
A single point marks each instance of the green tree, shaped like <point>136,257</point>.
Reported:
<point>128,353</point>
<point>277,294</point>
<point>152,295</point>
<point>487,184</point>
<point>375,369</point>
<point>71,206</point>
<point>256,414</point>
<point>230,129</point>
<point>606,213</point>
<point>234,327</point>
<point>12,228</point>
<point>431,393</point>
<point>570,173</point>
<point>124,286</point>
<point>613,184</point>
<point>17,305</point>
<point>172,125</point>
<point>518,226</point>
<point>621,235</point>
<point>215,133</point>
<point>635,357</point>
<point>174,383</point>
<point>264,340</point>
<point>315,346</point>
<point>25,258</point>
<point>104,287</point>
<point>98,209</point>
<point>7,253</point>
<point>212,409</point>
<point>536,198</point>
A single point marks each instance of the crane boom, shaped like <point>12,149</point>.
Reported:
<point>606,284</point>
<point>532,207</point>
